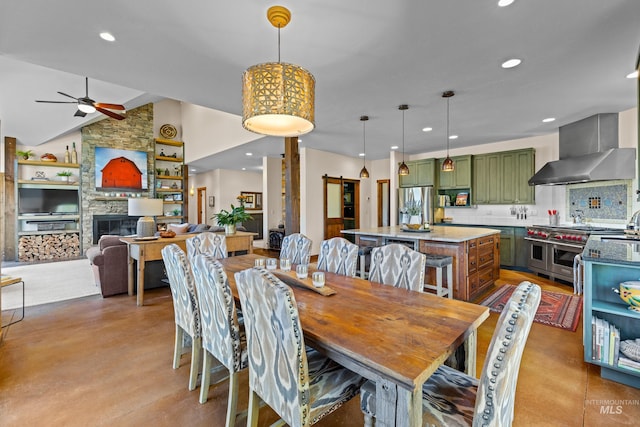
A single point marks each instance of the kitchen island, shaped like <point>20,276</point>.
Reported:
<point>475,252</point>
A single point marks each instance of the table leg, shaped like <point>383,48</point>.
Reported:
<point>470,351</point>
<point>140,285</point>
<point>396,406</point>
<point>130,272</point>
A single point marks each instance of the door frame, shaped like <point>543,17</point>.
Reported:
<point>380,182</point>
<point>201,206</point>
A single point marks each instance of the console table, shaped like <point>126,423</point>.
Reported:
<point>151,250</point>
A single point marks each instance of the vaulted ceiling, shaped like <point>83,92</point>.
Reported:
<point>367,56</point>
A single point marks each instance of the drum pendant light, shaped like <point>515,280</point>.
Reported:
<point>447,165</point>
<point>364,173</point>
<point>278,98</point>
<point>403,169</point>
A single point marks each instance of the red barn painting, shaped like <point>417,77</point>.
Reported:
<point>121,173</point>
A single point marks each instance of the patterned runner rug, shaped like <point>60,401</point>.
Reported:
<point>559,310</point>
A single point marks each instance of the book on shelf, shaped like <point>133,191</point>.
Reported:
<point>605,341</point>
<point>626,363</point>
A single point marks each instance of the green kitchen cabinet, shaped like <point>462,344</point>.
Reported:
<point>421,172</point>
<point>502,178</point>
<point>460,177</point>
<point>486,179</point>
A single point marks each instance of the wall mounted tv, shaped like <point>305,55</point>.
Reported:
<point>47,201</point>
<point>118,169</point>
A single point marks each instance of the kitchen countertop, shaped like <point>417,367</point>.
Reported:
<point>612,249</point>
<point>438,233</point>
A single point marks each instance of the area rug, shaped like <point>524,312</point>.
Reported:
<point>559,310</point>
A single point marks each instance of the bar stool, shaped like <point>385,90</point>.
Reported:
<point>439,262</point>
<point>363,251</point>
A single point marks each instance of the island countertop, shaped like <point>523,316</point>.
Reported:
<point>438,233</point>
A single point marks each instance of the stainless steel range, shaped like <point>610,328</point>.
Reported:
<point>552,249</point>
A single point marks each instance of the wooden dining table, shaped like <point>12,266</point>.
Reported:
<point>394,337</point>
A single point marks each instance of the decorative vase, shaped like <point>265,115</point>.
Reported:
<point>230,229</point>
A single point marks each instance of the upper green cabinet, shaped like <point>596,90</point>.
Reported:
<point>459,177</point>
<point>421,172</point>
<point>502,178</point>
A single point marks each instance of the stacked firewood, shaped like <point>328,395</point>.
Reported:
<point>48,246</point>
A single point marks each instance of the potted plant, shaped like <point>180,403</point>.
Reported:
<point>414,210</point>
<point>229,219</point>
<point>177,212</point>
<point>25,154</point>
<point>64,175</point>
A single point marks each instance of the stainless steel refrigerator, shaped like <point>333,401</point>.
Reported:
<point>415,205</point>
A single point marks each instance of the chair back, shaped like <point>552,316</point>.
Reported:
<point>296,247</point>
<point>338,255</point>
<point>185,302</point>
<point>497,385</point>
<point>220,329</point>
<point>278,370</point>
<point>213,244</point>
<point>397,265</point>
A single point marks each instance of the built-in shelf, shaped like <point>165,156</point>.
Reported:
<point>54,164</point>
<point>48,217</point>
<point>38,233</point>
<point>169,159</point>
<point>169,217</point>
<point>172,202</point>
<point>169,190</point>
<point>169,142</point>
<point>176,177</point>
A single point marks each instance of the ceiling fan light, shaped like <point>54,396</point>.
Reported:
<point>86,108</point>
<point>364,173</point>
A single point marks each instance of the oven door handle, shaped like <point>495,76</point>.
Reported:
<point>531,239</point>
<point>567,245</point>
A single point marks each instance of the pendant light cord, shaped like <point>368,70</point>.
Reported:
<point>402,136</point>
<point>364,142</point>
<point>278,44</point>
<point>447,127</point>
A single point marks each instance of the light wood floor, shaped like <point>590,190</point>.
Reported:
<point>106,362</point>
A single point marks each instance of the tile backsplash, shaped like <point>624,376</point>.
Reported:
<point>600,202</point>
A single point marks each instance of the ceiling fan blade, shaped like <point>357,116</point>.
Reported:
<point>110,114</point>
<point>69,96</point>
<point>58,102</point>
<point>80,113</point>
<point>108,106</point>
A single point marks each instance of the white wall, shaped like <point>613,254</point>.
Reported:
<point>167,111</point>
<point>206,131</point>
<point>314,164</point>
<point>225,185</point>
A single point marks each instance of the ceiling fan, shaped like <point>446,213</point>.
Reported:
<point>87,105</point>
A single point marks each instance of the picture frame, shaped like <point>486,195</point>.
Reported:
<point>212,201</point>
<point>120,169</point>
<point>253,200</point>
<point>177,197</point>
<point>168,198</point>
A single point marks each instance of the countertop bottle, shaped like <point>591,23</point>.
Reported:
<point>74,154</point>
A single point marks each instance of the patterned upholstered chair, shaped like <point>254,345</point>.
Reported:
<point>299,384</point>
<point>185,307</point>
<point>296,247</point>
<point>221,334</point>
<point>452,398</point>
<point>338,255</point>
<point>399,266</point>
<point>213,244</point>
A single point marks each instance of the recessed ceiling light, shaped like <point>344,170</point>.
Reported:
<point>193,170</point>
<point>244,169</point>
<point>299,139</point>
<point>361,154</point>
<point>510,63</point>
<point>107,36</point>
<point>549,120</point>
<point>394,147</point>
<point>248,154</point>
<point>633,75</point>
<point>453,137</point>
<point>427,129</point>
<point>504,3</point>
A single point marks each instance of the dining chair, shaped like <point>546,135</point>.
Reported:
<point>207,243</point>
<point>338,255</point>
<point>398,265</point>
<point>298,383</point>
<point>222,337</point>
<point>296,247</point>
<point>185,307</point>
<point>453,398</point>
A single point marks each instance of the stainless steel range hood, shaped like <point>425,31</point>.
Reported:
<point>589,152</point>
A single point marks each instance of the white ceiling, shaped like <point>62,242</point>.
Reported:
<point>368,56</point>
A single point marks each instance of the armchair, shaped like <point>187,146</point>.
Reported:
<point>109,263</point>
